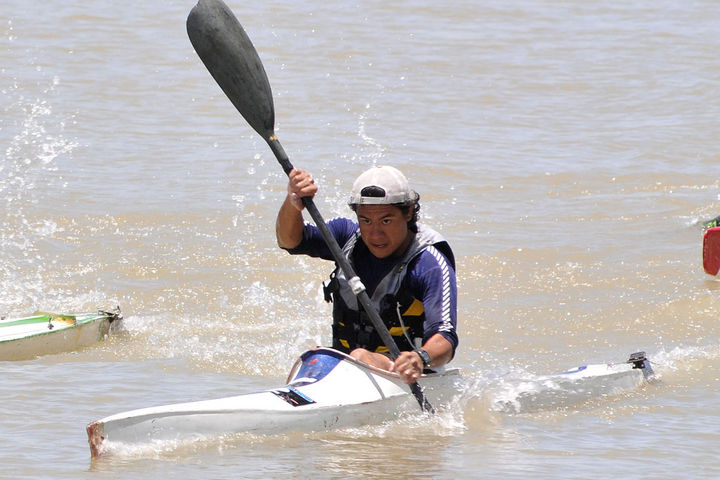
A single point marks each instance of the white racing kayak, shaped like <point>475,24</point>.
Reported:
<point>326,389</point>
<point>45,333</point>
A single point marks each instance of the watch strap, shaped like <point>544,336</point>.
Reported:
<point>425,357</point>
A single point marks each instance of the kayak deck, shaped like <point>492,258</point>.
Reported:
<point>47,333</point>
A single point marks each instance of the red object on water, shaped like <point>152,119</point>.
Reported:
<point>711,250</point>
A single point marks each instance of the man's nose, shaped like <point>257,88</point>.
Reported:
<point>375,229</point>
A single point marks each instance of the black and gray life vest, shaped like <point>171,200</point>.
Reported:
<point>352,327</point>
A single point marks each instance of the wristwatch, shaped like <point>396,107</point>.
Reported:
<point>424,357</point>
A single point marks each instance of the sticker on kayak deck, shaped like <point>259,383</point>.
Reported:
<point>293,397</point>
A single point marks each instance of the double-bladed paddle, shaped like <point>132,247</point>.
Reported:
<point>229,55</point>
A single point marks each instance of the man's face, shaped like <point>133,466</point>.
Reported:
<point>384,229</point>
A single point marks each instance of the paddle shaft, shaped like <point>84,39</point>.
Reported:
<point>338,255</point>
<point>342,261</point>
<point>230,57</point>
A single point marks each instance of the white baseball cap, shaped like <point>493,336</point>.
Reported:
<point>381,185</point>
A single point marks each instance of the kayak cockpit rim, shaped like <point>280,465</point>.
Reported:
<point>343,356</point>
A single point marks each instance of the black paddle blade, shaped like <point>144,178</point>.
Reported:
<point>230,57</point>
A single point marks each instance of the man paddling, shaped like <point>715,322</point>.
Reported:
<point>408,271</point>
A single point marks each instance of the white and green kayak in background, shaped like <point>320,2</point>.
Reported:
<point>45,333</point>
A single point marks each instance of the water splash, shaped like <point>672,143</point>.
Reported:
<point>518,391</point>
<point>26,173</point>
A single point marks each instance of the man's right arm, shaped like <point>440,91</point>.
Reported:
<point>289,224</point>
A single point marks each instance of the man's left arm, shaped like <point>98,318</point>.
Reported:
<point>439,296</point>
<point>433,281</point>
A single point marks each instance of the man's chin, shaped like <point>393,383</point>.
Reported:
<point>380,252</point>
